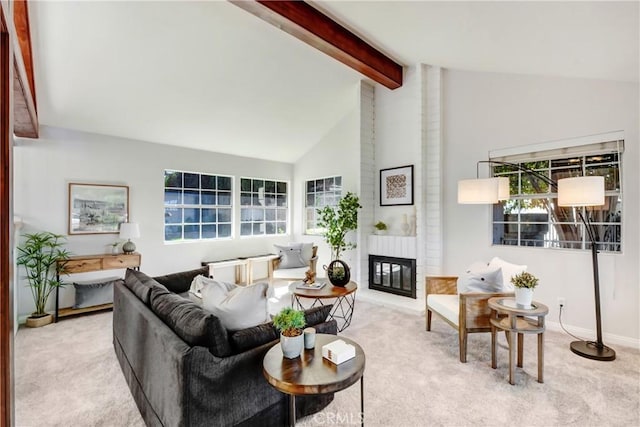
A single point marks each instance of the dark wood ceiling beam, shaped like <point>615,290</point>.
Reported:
<point>25,115</point>
<point>320,31</point>
<point>23,34</point>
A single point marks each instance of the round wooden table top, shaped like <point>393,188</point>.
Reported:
<point>508,305</point>
<point>311,373</point>
<point>327,291</point>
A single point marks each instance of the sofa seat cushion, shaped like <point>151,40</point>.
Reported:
<point>246,339</point>
<point>447,306</point>
<point>190,322</point>
<point>180,282</point>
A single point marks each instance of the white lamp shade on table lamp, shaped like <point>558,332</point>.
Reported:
<point>129,230</point>
<point>581,191</point>
<point>483,191</point>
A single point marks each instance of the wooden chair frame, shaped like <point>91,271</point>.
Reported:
<point>473,313</point>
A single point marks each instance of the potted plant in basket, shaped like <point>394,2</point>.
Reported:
<point>337,222</point>
<point>290,323</point>
<point>39,255</point>
<point>381,227</point>
<point>524,284</point>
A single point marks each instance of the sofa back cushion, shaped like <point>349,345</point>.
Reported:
<point>181,282</point>
<point>190,322</point>
<point>246,339</point>
<point>140,284</point>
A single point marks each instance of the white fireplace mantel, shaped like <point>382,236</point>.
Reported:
<point>394,246</point>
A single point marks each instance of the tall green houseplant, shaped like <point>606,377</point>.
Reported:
<point>39,255</point>
<point>338,221</point>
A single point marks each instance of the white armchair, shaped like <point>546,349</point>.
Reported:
<point>294,260</point>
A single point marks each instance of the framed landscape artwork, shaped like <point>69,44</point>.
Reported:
<point>97,209</point>
<point>396,186</point>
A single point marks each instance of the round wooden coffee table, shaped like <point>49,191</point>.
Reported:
<point>343,300</point>
<point>312,374</point>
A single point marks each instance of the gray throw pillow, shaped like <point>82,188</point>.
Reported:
<point>94,292</point>
<point>292,256</point>
<point>237,307</point>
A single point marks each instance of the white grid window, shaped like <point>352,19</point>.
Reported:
<point>263,207</point>
<point>320,192</point>
<point>196,206</point>
<point>532,217</point>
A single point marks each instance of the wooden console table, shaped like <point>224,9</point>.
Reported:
<point>89,263</point>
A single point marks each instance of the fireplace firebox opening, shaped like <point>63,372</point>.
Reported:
<point>393,275</point>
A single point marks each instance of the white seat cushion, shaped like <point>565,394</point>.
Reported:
<point>448,306</point>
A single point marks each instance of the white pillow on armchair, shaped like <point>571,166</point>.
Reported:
<point>508,271</point>
<point>480,277</point>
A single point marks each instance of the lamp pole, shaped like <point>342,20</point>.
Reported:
<point>589,349</point>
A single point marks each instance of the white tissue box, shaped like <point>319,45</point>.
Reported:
<point>338,351</point>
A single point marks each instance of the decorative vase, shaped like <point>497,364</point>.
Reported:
<point>380,232</point>
<point>291,346</point>
<point>36,322</point>
<point>524,297</point>
<point>338,273</point>
<point>114,250</point>
<point>405,227</point>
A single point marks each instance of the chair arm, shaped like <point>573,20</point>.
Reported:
<point>474,308</point>
<point>441,285</point>
<point>275,263</point>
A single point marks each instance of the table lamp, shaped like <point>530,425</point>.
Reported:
<point>129,230</point>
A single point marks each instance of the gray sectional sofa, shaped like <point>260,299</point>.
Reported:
<point>185,369</point>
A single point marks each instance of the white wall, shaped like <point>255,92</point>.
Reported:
<point>336,154</point>
<point>44,167</point>
<point>487,111</point>
<point>398,139</point>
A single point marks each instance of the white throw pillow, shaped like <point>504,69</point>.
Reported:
<point>480,277</point>
<point>294,255</point>
<point>508,271</point>
<point>237,307</point>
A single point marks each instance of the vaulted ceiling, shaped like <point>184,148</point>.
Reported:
<point>209,75</point>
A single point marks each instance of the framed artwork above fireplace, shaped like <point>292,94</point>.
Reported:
<point>396,186</point>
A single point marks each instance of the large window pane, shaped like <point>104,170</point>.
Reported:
<point>257,200</point>
<point>532,218</point>
<point>184,193</point>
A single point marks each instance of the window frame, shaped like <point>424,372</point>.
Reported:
<point>313,210</point>
<point>255,195</point>
<point>215,192</point>
<point>572,225</point>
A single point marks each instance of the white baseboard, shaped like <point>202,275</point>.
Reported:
<point>588,334</point>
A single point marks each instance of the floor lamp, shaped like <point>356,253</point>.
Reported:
<point>572,192</point>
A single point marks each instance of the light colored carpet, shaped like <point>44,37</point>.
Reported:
<point>67,374</point>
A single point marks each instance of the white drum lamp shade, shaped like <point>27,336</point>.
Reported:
<point>483,191</point>
<point>129,230</point>
<point>581,191</point>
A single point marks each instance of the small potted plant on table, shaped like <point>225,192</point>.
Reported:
<point>524,284</point>
<point>381,227</point>
<point>290,323</point>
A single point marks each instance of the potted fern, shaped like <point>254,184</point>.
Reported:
<point>524,284</point>
<point>381,227</point>
<point>40,254</point>
<point>290,323</point>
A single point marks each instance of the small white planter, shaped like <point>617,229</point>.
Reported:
<point>291,346</point>
<point>524,297</point>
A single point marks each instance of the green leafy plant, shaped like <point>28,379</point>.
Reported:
<point>39,255</point>
<point>380,225</point>
<point>289,322</point>
<point>524,280</point>
<point>337,222</point>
